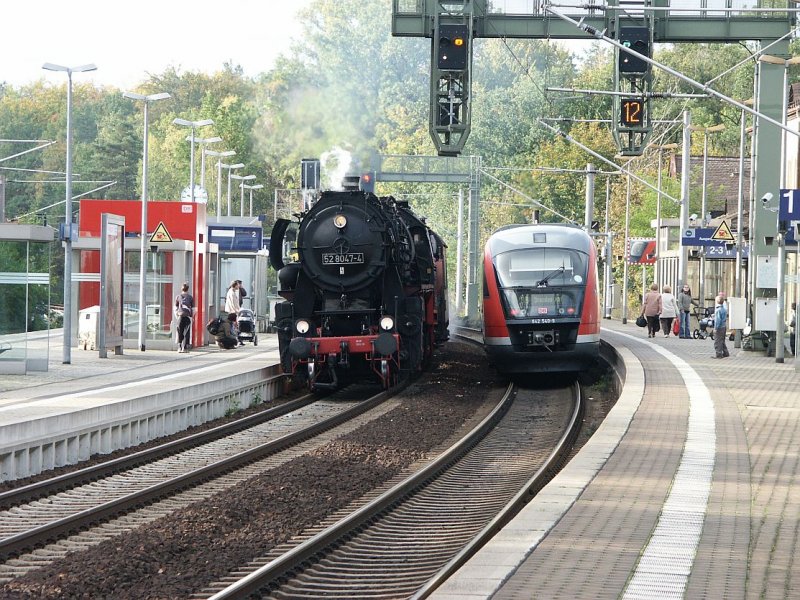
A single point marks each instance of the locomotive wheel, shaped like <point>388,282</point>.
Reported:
<point>385,374</point>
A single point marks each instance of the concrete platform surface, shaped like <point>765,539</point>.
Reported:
<point>98,405</point>
<point>689,489</point>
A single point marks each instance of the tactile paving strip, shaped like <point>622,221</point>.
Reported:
<point>665,565</point>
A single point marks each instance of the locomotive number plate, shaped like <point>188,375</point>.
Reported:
<point>350,258</point>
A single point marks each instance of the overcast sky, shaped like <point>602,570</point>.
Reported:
<point>129,40</point>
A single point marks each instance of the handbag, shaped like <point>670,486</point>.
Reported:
<point>641,321</point>
<point>676,327</point>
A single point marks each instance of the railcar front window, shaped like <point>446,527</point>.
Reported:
<point>542,282</point>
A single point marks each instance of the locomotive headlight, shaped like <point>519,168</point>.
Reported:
<point>387,323</point>
<point>340,221</point>
<point>302,326</point>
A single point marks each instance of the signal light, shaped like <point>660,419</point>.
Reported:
<point>366,182</point>
<point>453,50</point>
<point>637,39</point>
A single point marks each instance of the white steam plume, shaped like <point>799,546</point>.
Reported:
<point>334,165</point>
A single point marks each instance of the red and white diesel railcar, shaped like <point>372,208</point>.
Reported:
<point>540,299</point>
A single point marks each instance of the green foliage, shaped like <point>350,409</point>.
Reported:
<point>233,407</point>
<point>351,85</point>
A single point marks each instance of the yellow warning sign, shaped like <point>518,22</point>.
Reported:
<point>723,233</point>
<point>160,234</point>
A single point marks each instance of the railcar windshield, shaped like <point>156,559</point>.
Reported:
<point>542,282</point>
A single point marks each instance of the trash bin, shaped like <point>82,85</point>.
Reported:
<point>88,323</point>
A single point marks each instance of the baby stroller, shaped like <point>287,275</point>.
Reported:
<point>246,322</point>
<point>706,324</point>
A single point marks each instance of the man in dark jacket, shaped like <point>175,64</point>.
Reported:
<point>720,328</point>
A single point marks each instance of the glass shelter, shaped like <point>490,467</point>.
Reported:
<point>27,316</point>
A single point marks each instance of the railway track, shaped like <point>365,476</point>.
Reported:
<point>89,506</point>
<point>414,535</point>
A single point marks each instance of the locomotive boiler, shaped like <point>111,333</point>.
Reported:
<point>366,294</point>
<point>540,299</point>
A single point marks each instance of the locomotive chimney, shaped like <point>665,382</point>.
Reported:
<point>350,183</point>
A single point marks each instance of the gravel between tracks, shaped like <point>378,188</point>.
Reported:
<point>173,557</point>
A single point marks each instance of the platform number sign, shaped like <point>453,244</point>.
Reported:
<point>789,205</point>
<point>631,112</point>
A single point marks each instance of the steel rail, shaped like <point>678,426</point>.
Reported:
<point>555,461</point>
<point>30,492</point>
<point>33,538</point>
<point>290,561</point>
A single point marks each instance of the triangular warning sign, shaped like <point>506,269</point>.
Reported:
<point>160,234</point>
<point>723,233</point>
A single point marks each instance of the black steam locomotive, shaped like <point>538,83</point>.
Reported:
<point>367,292</point>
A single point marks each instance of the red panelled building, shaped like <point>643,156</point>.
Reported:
<point>183,220</point>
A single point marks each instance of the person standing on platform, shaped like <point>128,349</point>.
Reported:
<point>242,296</point>
<point>669,310</point>
<point>720,328</point>
<point>184,308</point>
<point>242,293</point>
<point>651,308</point>
<point>232,299</point>
<point>793,330</point>
<point>685,302</point>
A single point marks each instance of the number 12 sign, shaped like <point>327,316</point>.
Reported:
<point>631,112</point>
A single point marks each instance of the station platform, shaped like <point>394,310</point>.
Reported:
<point>689,489</point>
<point>98,405</point>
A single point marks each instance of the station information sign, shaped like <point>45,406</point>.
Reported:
<point>642,251</point>
<point>717,245</point>
<point>236,237</point>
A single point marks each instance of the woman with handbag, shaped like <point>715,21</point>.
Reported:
<point>669,310</point>
<point>651,308</point>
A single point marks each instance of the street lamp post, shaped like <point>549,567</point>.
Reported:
<point>258,186</point>
<point>231,168</point>
<point>193,125</point>
<point>143,248</point>
<point>625,258</point>
<point>67,236</point>
<point>242,178</point>
<point>219,156</point>
<point>203,142</point>
<point>685,178</point>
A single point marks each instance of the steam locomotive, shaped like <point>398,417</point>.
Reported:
<point>540,308</point>
<point>366,295</point>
